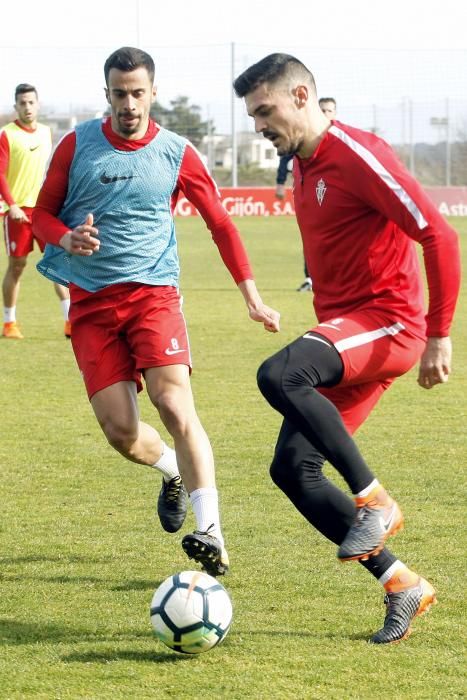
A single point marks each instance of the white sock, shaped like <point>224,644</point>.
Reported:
<point>65,304</point>
<point>9,314</point>
<point>167,463</point>
<point>368,489</point>
<point>389,573</point>
<point>205,504</point>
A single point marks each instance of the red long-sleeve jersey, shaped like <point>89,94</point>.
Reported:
<point>193,180</point>
<point>4,160</point>
<point>359,211</point>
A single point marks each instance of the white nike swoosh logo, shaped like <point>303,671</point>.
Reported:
<point>173,352</point>
<point>387,524</point>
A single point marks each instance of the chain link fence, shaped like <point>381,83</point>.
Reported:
<point>415,99</point>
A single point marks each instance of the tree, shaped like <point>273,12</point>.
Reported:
<point>183,118</point>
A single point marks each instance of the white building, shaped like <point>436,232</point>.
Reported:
<point>251,148</point>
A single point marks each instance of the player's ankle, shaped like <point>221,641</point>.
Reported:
<point>398,578</point>
<point>375,494</point>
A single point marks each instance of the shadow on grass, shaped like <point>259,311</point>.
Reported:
<point>130,585</point>
<point>70,558</point>
<point>100,657</point>
<point>359,636</point>
<point>134,585</point>
<point>56,579</point>
<point>137,585</point>
<point>15,633</point>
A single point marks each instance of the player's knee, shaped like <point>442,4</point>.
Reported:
<point>121,437</point>
<point>277,472</point>
<point>269,377</point>
<point>17,266</point>
<point>174,410</point>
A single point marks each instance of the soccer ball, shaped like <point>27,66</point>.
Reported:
<point>191,612</point>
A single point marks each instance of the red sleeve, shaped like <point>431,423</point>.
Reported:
<point>388,187</point>
<point>198,186</point>
<point>4,160</point>
<point>53,193</point>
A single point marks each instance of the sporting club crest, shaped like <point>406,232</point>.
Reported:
<point>320,191</point>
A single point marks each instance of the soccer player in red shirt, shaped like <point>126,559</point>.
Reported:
<point>359,213</point>
<point>106,211</point>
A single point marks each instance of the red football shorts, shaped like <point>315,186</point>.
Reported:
<point>375,349</point>
<point>122,330</point>
<point>19,238</point>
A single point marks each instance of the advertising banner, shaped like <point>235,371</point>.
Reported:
<point>261,201</point>
<point>451,201</point>
<point>246,201</point>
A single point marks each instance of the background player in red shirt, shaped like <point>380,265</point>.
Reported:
<point>359,213</point>
<point>25,147</point>
<point>106,208</point>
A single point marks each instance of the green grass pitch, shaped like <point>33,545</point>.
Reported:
<point>82,552</point>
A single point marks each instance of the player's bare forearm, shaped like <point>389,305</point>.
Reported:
<point>435,363</point>
<point>257,310</point>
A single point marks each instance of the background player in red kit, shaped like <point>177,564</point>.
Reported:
<point>106,211</point>
<point>359,212</point>
<point>25,147</point>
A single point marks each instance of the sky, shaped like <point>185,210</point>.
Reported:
<point>426,24</point>
<point>365,52</point>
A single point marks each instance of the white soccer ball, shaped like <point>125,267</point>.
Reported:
<point>191,612</point>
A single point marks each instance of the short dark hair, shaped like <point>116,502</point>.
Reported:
<point>127,58</point>
<point>327,99</point>
<point>22,88</point>
<point>271,69</point>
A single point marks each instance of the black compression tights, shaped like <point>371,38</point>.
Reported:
<point>288,380</point>
<point>312,432</point>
